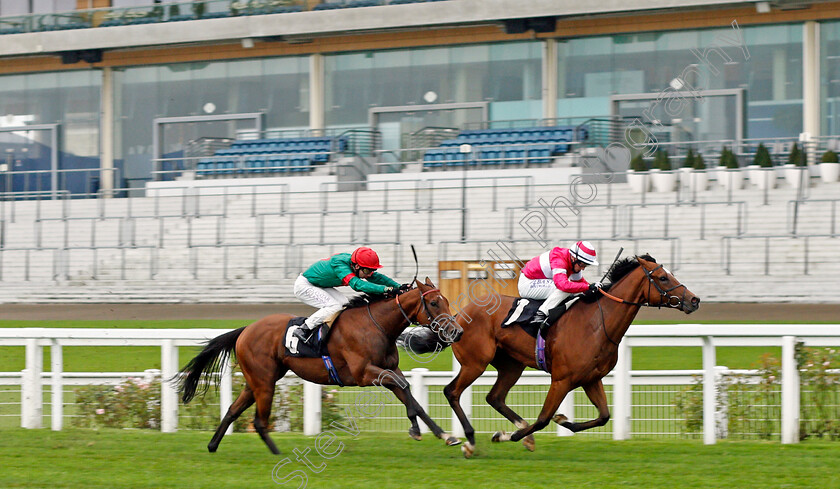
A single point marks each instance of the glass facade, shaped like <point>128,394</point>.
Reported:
<point>830,78</point>
<point>71,102</point>
<point>594,68</point>
<point>506,75</point>
<point>277,87</point>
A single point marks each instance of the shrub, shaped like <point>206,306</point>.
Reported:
<point>797,157</point>
<point>699,163</point>
<point>638,163</point>
<point>762,157</point>
<point>662,161</point>
<point>688,162</point>
<point>728,159</point>
<point>829,157</point>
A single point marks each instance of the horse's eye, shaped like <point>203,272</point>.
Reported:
<point>433,303</point>
<point>663,278</point>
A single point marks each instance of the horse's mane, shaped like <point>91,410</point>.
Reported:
<point>627,265</point>
<point>365,299</point>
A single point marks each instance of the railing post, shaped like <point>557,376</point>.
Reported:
<point>465,401</point>
<point>567,408</point>
<point>420,393</point>
<point>709,390</point>
<point>311,408</point>
<point>790,391</point>
<point>31,394</point>
<point>57,368</point>
<point>722,410</point>
<point>226,392</point>
<point>621,393</point>
<point>168,394</point>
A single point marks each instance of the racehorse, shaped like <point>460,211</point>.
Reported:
<point>581,347</point>
<point>361,344</point>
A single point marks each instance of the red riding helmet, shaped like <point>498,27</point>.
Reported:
<point>365,258</point>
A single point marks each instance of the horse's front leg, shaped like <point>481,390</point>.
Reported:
<point>395,381</point>
<point>556,393</point>
<point>595,393</point>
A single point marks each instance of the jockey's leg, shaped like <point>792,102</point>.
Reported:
<point>328,301</point>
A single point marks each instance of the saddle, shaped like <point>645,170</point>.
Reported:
<point>301,343</point>
<point>304,344</point>
<point>523,310</point>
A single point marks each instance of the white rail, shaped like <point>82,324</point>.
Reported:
<point>709,337</point>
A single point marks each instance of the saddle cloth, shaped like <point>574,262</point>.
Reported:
<point>298,346</point>
<point>522,311</point>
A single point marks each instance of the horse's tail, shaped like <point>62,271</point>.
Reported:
<point>421,340</point>
<point>214,354</point>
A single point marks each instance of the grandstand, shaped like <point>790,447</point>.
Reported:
<point>207,151</point>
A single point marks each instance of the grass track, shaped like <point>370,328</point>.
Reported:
<point>140,459</point>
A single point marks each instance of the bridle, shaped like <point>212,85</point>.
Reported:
<point>663,294</point>
<point>673,301</point>
<point>424,306</point>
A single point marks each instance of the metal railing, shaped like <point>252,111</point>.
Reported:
<point>795,204</point>
<point>787,241</point>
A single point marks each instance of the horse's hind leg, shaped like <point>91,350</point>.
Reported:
<point>509,371</point>
<point>595,393</point>
<point>264,394</point>
<point>453,392</point>
<point>243,402</point>
<point>556,393</point>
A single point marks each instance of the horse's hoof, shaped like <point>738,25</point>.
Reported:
<point>559,419</point>
<point>529,443</point>
<point>211,449</point>
<point>415,434</point>
<point>468,449</point>
<point>499,436</point>
<point>452,441</point>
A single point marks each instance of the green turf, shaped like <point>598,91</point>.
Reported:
<point>146,459</point>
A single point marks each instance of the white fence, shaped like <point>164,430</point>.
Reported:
<point>622,379</point>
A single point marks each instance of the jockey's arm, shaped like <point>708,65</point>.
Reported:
<point>562,282</point>
<point>382,279</point>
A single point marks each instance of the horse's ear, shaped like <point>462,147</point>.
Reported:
<point>418,283</point>
<point>429,282</point>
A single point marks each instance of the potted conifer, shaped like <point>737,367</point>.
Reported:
<point>730,176</point>
<point>761,172</point>
<point>664,179</point>
<point>637,175</point>
<point>699,179</point>
<point>796,166</point>
<point>829,167</point>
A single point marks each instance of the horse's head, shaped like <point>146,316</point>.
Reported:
<point>433,311</point>
<point>664,290</point>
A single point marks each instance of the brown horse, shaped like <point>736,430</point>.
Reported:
<point>581,347</point>
<point>361,343</point>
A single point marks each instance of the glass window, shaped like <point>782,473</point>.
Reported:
<point>507,75</point>
<point>830,78</point>
<point>277,87</point>
<point>590,70</point>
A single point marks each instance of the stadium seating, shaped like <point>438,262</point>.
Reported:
<point>267,156</point>
<point>505,146</point>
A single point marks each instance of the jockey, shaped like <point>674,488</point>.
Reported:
<point>554,275</point>
<point>316,286</point>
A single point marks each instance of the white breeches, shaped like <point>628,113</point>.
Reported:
<point>541,288</point>
<point>328,300</point>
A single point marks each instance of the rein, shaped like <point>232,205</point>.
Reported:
<point>407,318</point>
<point>651,281</point>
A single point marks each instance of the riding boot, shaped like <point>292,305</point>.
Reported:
<point>539,318</point>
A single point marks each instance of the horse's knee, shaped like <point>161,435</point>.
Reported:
<point>602,420</point>
<point>494,399</point>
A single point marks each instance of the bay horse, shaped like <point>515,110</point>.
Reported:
<point>362,344</point>
<point>581,346</point>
